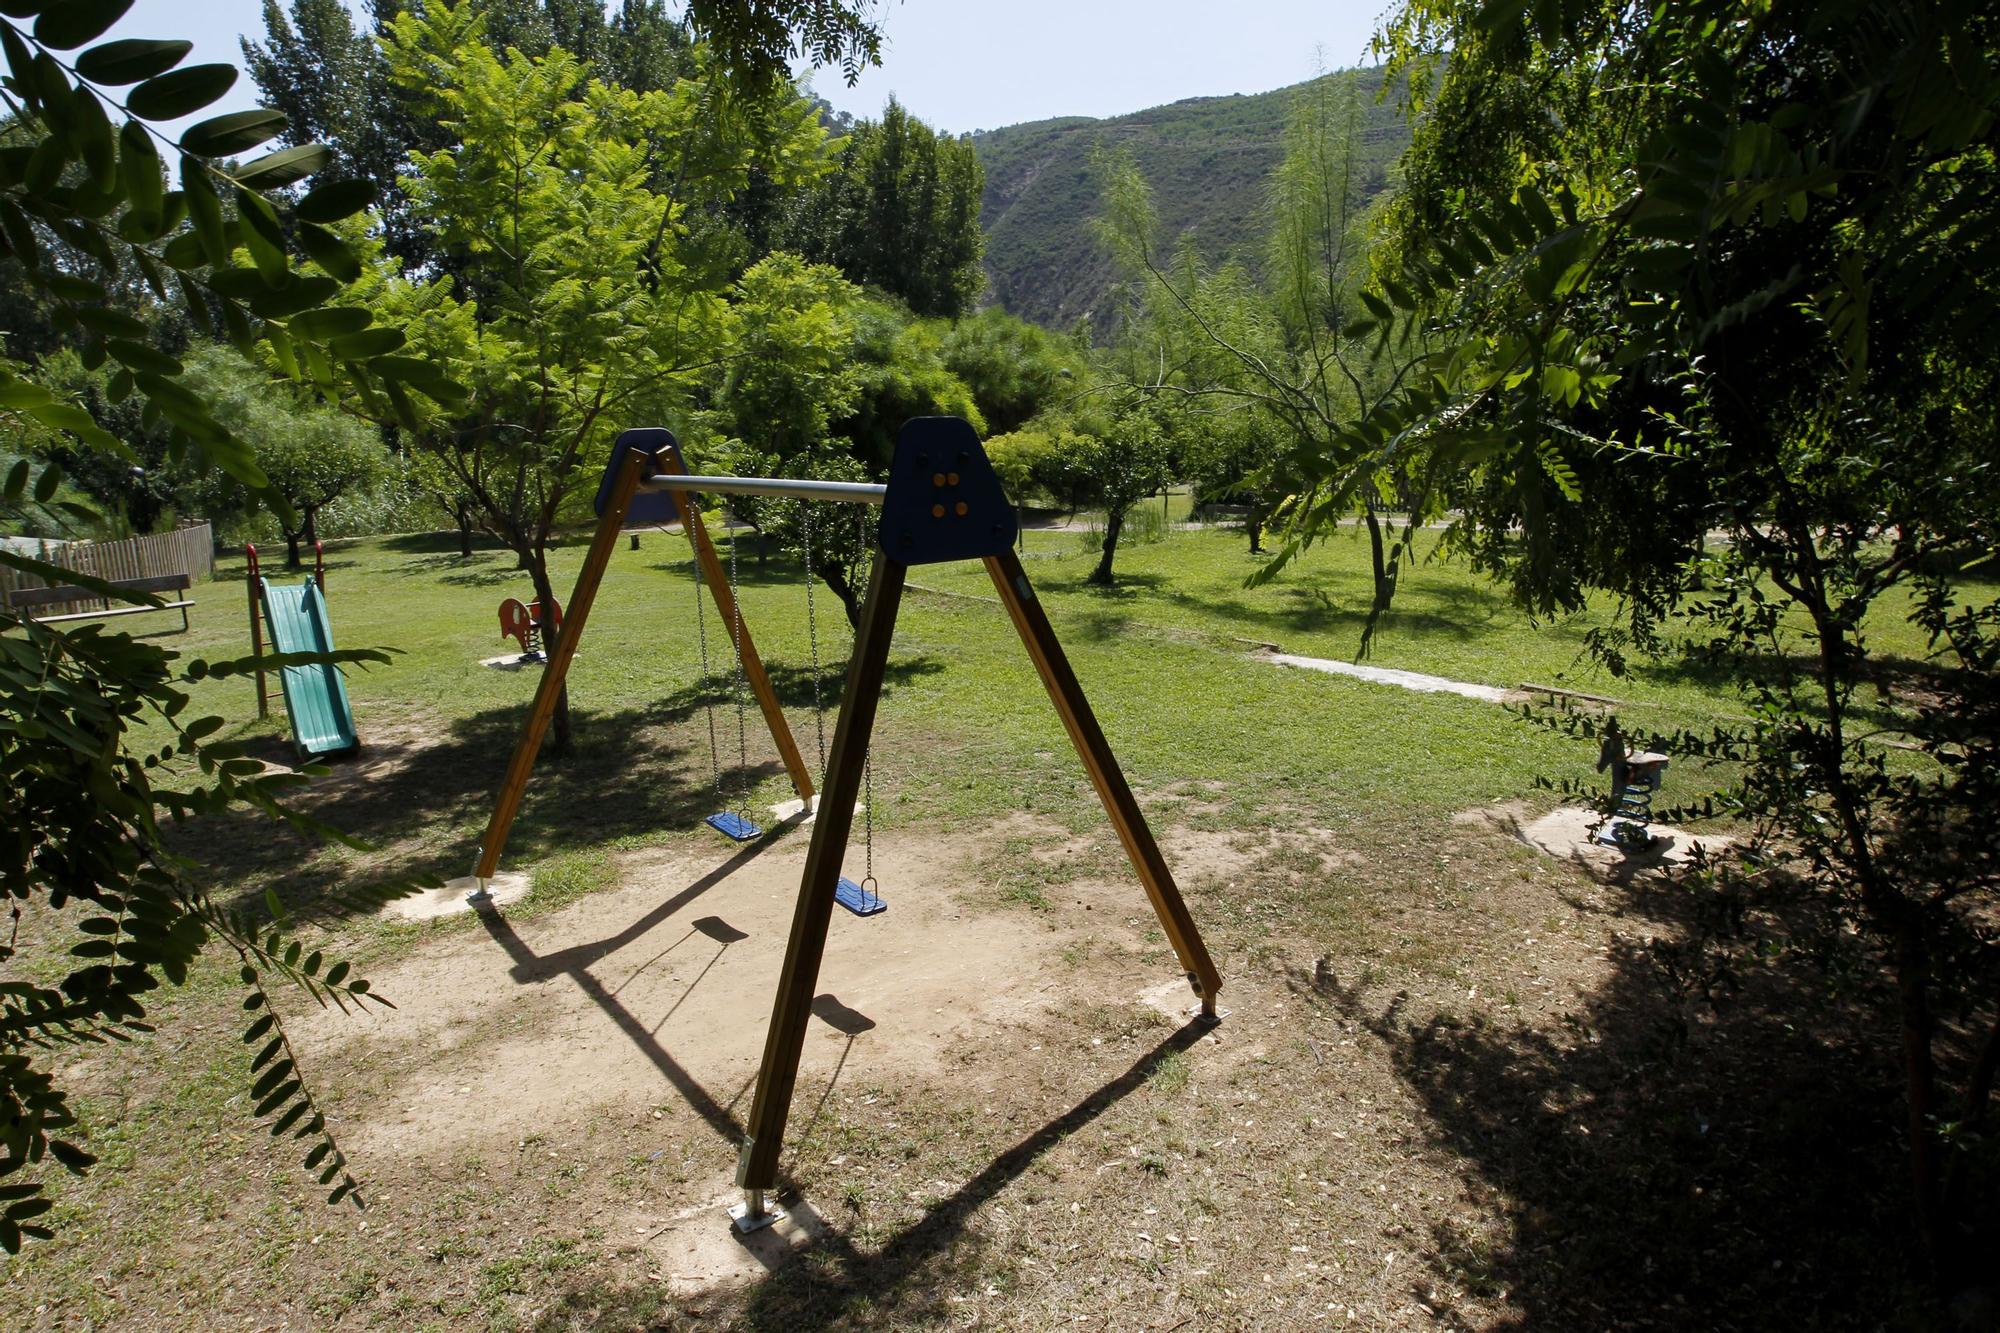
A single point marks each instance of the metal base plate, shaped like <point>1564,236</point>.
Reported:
<point>745,1221</point>
<point>735,826</point>
<point>1608,835</point>
<point>860,901</point>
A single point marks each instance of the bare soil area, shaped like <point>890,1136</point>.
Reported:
<point>1450,1093</point>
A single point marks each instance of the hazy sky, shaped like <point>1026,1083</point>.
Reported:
<point>967,66</point>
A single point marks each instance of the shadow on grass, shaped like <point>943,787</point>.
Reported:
<point>443,541</point>
<point>1660,1162</point>
<point>901,1284</point>
<point>236,571</point>
<point>423,801</point>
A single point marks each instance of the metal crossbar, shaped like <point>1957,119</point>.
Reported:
<point>853,492</point>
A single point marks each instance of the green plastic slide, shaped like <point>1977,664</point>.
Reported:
<point>315,696</point>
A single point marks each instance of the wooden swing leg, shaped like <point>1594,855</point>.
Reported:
<point>725,604</point>
<point>757,1167</point>
<point>1112,789</point>
<point>515,783</point>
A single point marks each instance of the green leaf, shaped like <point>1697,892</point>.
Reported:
<point>181,93</point>
<point>272,1077</point>
<point>331,322</point>
<point>296,296</point>
<point>367,343</point>
<point>45,485</point>
<point>335,200</point>
<point>234,132</point>
<point>284,167</point>
<point>73,22</point>
<point>139,167</point>
<point>143,357</point>
<point>71,1156</point>
<point>17,481</point>
<point>204,212</point>
<point>262,235</point>
<point>130,60</point>
<point>329,252</point>
<point>112,323</point>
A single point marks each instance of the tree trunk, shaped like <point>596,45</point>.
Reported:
<point>1254,521</point>
<point>292,560</point>
<point>537,562</point>
<point>834,576</point>
<point>1114,523</point>
<point>464,530</point>
<point>312,524</point>
<point>1385,587</point>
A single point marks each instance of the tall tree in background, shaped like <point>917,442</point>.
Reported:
<point>332,81</point>
<point>312,453</point>
<point>900,213</point>
<point>1281,345</point>
<point>569,300</point>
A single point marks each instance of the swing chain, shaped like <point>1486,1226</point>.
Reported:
<point>708,699</point>
<point>868,882</point>
<point>812,637</point>
<point>742,710</point>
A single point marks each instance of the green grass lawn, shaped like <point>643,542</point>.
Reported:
<point>1274,762</point>
<point>965,731</point>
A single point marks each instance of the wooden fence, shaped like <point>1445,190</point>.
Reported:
<point>187,550</point>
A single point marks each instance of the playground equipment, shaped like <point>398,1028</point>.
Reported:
<point>942,503</point>
<point>315,695</point>
<point>1635,777</point>
<point>527,624</point>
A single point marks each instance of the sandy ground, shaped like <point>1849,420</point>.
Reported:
<point>499,1030</point>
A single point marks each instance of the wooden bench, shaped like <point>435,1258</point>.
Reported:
<point>24,600</point>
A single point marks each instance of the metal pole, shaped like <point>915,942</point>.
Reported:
<point>789,488</point>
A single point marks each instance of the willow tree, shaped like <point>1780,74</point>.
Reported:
<point>574,306</point>
<point>1282,346</point>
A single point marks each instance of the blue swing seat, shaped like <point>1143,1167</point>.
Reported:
<point>735,826</point>
<point>860,901</point>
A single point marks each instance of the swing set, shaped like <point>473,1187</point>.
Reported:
<point>942,503</point>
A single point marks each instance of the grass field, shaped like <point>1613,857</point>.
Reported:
<point>1459,1088</point>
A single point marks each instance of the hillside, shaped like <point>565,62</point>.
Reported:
<point>1208,160</point>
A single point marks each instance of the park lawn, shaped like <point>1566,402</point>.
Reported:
<point>965,730</point>
<point>1425,941</point>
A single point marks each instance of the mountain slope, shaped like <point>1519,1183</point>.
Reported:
<point>1209,160</point>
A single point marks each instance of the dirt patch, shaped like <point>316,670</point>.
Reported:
<point>662,987</point>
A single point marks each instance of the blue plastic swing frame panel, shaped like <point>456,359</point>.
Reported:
<point>860,901</point>
<point>734,826</point>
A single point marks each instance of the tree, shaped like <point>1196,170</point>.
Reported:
<point>571,301</point>
<point>1284,348</point>
<point>1118,465</point>
<point>311,453</point>
<point>899,368</point>
<point>1227,456</point>
<point>84,204</point>
<point>82,846</point>
<point>1735,272</point>
<point>899,212</point>
<point>1016,370</point>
